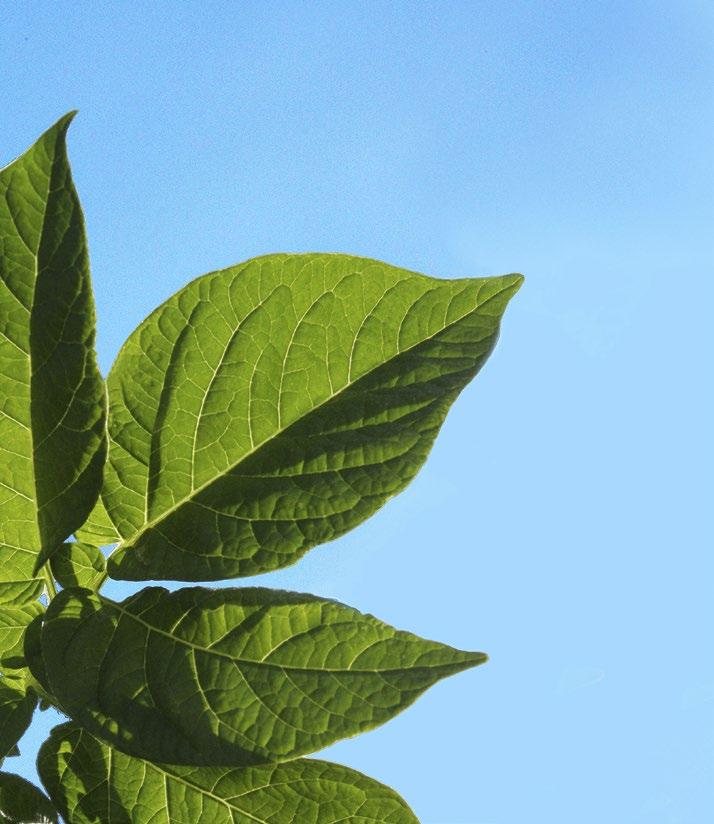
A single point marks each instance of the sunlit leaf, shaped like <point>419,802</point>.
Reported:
<point>275,405</point>
<point>232,676</point>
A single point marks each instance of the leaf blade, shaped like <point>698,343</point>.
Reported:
<point>52,440</point>
<point>302,790</point>
<point>17,705</point>
<point>273,406</point>
<point>232,676</point>
<point>23,803</point>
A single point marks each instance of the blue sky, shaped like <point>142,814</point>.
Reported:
<point>560,523</point>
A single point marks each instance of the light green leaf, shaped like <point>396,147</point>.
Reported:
<point>22,803</point>
<point>275,405</point>
<point>90,783</point>
<point>17,705</point>
<point>232,676</point>
<point>13,622</point>
<point>20,592</point>
<point>52,439</point>
<point>79,565</point>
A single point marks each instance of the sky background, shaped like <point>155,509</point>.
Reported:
<point>561,522</point>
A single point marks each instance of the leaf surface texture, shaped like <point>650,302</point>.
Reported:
<point>52,408</point>
<point>22,803</point>
<point>273,406</point>
<point>231,676</point>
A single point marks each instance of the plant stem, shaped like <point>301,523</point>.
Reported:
<point>49,582</point>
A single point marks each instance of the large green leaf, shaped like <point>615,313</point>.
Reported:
<point>22,803</point>
<point>231,676</point>
<point>90,783</point>
<point>52,441</point>
<point>77,564</point>
<point>275,405</point>
<point>17,704</point>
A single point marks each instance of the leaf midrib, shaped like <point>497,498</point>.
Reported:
<point>318,670</point>
<point>127,543</point>
<point>229,804</point>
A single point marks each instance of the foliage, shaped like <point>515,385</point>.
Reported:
<point>261,411</point>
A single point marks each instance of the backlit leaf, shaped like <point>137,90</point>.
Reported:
<point>272,406</point>
<point>17,704</point>
<point>78,565</point>
<point>22,803</point>
<point>13,622</point>
<point>232,676</point>
<point>90,783</point>
<point>52,442</point>
<point>21,592</point>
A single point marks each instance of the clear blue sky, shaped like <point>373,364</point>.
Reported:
<point>563,521</point>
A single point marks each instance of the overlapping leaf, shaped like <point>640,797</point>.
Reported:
<point>21,592</point>
<point>76,564</point>
<point>231,676</point>
<point>89,783</point>
<point>13,622</point>
<point>52,443</point>
<point>17,704</point>
<point>22,803</point>
<point>273,406</point>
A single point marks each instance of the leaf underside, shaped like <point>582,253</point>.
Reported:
<point>52,408</point>
<point>22,803</point>
<point>273,406</point>
<point>231,676</point>
<point>17,704</point>
<point>90,783</point>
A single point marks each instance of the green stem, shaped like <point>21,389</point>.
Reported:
<point>49,582</point>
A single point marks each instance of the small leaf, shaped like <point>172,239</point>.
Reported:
<point>232,676</point>
<point>79,565</point>
<point>17,705</point>
<point>98,530</point>
<point>52,415</point>
<point>13,622</point>
<point>22,803</point>
<point>273,406</point>
<point>21,592</point>
<point>32,651</point>
<point>90,783</point>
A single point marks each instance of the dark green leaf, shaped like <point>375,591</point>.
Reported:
<point>32,651</point>
<point>52,441</point>
<point>232,676</point>
<point>275,405</point>
<point>98,530</point>
<point>79,565</point>
<point>90,783</point>
<point>17,704</point>
<point>22,803</point>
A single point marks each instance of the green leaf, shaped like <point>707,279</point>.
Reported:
<point>275,405</point>
<point>98,530</point>
<point>32,652</point>
<point>79,565</point>
<point>17,705</point>
<point>21,592</point>
<point>232,676</point>
<point>22,803</point>
<point>52,438</point>
<point>13,622</point>
<point>89,783</point>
